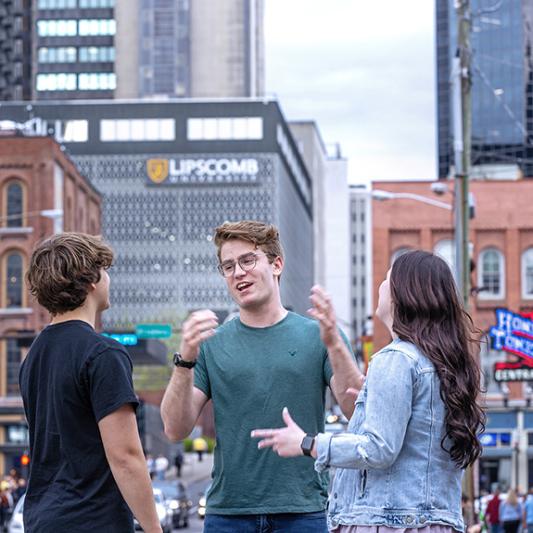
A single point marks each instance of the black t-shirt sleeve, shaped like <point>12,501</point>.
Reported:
<point>110,382</point>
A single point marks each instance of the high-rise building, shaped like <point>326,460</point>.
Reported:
<point>169,173</point>
<point>502,87</point>
<point>361,262</point>
<point>101,49</point>
<point>329,173</point>
<point>15,50</point>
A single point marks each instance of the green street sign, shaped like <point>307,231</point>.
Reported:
<point>153,331</point>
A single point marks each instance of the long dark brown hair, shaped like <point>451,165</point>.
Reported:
<point>427,312</point>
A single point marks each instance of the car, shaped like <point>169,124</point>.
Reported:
<point>163,512</point>
<point>16,525</point>
<point>177,499</point>
<point>202,502</point>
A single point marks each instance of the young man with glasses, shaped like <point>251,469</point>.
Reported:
<point>252,367</point>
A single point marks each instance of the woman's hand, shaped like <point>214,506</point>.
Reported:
<point>286,442</point>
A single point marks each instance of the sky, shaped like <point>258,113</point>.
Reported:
<point>364,71</point>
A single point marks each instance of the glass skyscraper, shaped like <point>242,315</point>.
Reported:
<point>502,83</point>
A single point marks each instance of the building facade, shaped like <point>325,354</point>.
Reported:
<point>361,265</point>
<point>41,193</point>
<point>502,86</point>
<point>169,173</point>
<point>329,174</point>
<point>15,50</point>
<point>101,49</point>
<point>501,236</point>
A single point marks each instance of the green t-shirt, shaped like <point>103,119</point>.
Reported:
<point>251,374</point>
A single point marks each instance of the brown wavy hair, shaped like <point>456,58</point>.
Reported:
<point>427,312</point>
<point>63,267</point>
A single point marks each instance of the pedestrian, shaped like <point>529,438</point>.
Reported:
<point>150,465</point>
<point>528,512</point>
<point>178,462</point>
<point>511,513</point>
<point>492,513</point>
<point>417,418</point>
<point>257,362</point>
<point>161,467</point>
<point>199,445</point>
<point>87,465</point>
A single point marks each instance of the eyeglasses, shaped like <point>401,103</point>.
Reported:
<point>247,262</point>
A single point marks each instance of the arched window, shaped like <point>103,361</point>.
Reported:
<point>15,205</point>
<point>491,279</point>
<point>446,250</point>
<point>13,280</point>
<point>398,252</point>
<point>527,273</point>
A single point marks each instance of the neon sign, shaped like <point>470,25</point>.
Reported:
<point>513,334</point>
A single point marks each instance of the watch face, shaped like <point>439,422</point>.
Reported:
<point>307,444</point>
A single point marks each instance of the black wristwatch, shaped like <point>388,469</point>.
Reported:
<point>307,444</point>
<point>180,362</point>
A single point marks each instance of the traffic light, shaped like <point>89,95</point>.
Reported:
<point>24,459</point>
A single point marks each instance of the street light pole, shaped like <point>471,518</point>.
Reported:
<point>462,120</point>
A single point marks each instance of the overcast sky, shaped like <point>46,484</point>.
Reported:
<point>364,71</point>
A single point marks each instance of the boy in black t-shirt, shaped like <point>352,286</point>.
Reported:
<point>88,468</point>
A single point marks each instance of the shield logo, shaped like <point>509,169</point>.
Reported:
<point>157,169</point>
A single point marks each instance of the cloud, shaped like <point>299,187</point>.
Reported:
<point>365,73</point>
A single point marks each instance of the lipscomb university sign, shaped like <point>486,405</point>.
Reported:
<point>213,170</point>
<point>513,334</point>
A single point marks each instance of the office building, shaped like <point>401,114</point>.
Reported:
<point>502,87</point>
<point>169,173</point>
<point>329,174</point>
<point>15,50</point>
<point>361,264</point>
<point>127,49</point>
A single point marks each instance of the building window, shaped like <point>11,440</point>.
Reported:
<point>94,4</point>
<point>74,131</point>
<point>156,129</point>
<point>97,27</point>
<point>13,280</point>
<point>13,367</point>
<point>57,4</point>
<point>527,274</point>
<point>57,28</point>
<point>97,54</point>
<point>224,129</point>
<point>97,81</point>
<point>445,249</point>
<point>58,54</point>
<point>56,82</point>
<point>15,205</point>
<point>491,274</point>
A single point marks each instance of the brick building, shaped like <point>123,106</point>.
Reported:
<point>41,193</point>
<point>501,237</point>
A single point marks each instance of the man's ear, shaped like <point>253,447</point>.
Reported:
<point>278,265</point>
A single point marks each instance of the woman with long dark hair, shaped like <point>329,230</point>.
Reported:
<point>417,418</point>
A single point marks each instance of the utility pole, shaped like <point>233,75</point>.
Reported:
<point>462,126</point>
<point>462,119</point>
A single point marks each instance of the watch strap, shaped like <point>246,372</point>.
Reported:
<point>180,362</point>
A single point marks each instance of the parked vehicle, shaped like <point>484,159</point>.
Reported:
<point>202,502</point>
<point>177,500</point>
<point>163,512</point>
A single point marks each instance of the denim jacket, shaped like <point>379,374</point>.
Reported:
<point>391,469</point>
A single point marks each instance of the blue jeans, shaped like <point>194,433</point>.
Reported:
<point>267,523</point>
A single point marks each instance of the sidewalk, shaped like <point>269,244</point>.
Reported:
<point>193,470</point>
